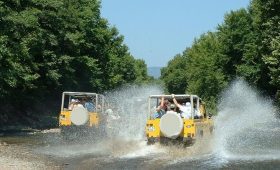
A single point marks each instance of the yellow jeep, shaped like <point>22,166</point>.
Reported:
<point>175,125</point>
<point>81,111</point>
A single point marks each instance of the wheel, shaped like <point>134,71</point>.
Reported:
<point>151,141</point>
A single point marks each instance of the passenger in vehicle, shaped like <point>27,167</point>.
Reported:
<point>154,112</point>
<point>72,104</point>
<point>164,105</point>
<point>162,108</point>
<point>79,103</point>
<point>89,105</point>
<point>185,109</point>
<point>172,109</point>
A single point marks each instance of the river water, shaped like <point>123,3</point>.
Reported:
<point>246,136</point>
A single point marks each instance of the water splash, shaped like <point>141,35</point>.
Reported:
<point>131,104</point>
<point>125,135</point>
<point>246,126</point>
<point>246,134</point>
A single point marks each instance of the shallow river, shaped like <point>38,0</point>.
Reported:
<point>250,152</point>
<point>246,136</point>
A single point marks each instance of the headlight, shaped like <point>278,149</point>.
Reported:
<point>151,128</point>
<point>62,117</point>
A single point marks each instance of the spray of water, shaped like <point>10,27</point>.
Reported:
<point>131,105</point>
<point>127,134</point>
<point>124,130</point>
<point>246,126</point>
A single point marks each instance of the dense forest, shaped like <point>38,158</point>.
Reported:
<point>246,44</point>
<point>50,46</point>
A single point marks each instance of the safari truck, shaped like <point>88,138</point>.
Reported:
<point>176,126</point>
<point>81,112</point>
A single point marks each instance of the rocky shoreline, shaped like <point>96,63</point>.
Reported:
<point>17,156</point>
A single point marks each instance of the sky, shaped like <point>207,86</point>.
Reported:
<point>157,30</point>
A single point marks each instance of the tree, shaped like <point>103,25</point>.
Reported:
<point>174,75</point>
<point>141,72</point>
<point>205,68</point>
<point>47,47</point>
<point>267,22</point>
<point>246,44</point>
<point>240,44</point>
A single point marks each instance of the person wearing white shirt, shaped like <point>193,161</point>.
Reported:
<point>185,109</point>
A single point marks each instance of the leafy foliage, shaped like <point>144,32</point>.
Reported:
<point>267,22</point>
<point>174,75</point>
<point>51,46</point>
<point>246,44</point>
<point>204,68</point>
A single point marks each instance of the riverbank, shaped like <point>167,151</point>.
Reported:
<point>28,125</point>
<point>16,156</point>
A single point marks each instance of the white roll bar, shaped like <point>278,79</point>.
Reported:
<point>178,96</point>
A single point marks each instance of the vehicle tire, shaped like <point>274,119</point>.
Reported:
<point>151,141</point>
<point>188,143</point>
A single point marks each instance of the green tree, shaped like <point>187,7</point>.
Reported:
<point>266,15</point>
<point>174,75</point>
<point>240,44</point>
<point>205,68</point>
<point>246,44</point>
<point>47,47</point>
<point>141,72</point>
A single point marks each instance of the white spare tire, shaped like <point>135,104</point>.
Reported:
<point>171,125</point>
<point>79,115</point>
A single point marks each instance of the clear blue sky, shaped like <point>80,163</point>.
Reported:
<point>157,30</point>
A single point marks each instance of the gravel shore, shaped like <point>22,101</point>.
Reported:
<point>13,156</point>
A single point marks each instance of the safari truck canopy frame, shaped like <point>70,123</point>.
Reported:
<point>97,99</point>
<point>193,99</point>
